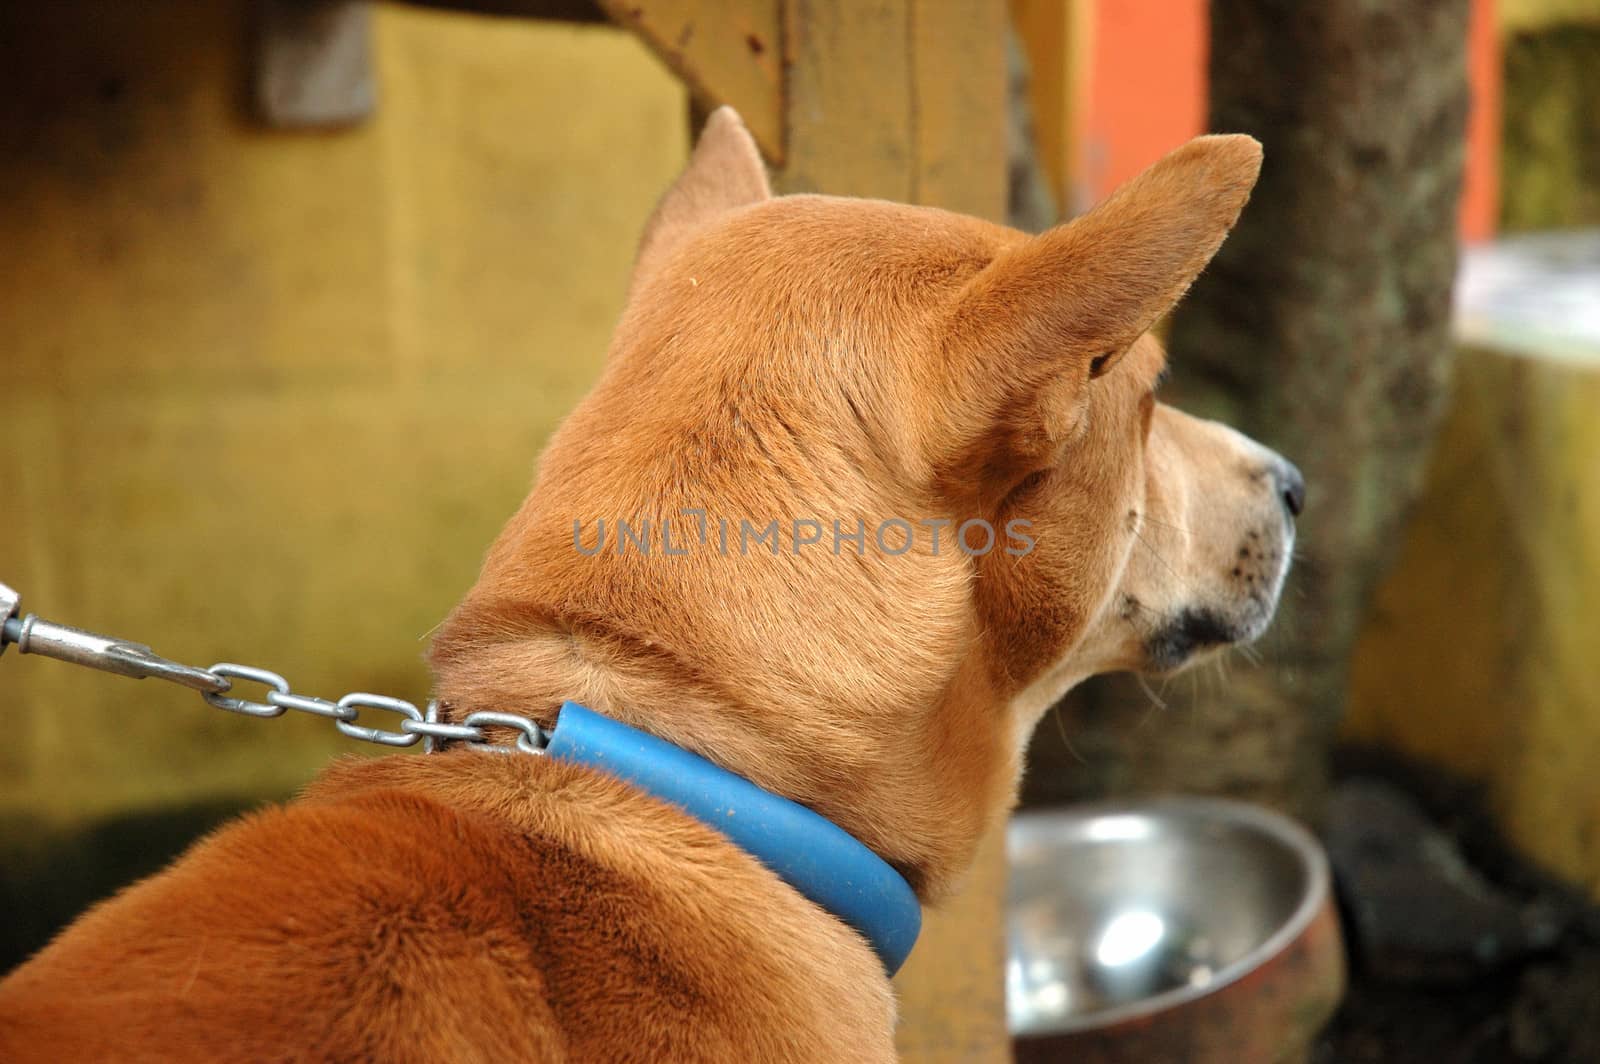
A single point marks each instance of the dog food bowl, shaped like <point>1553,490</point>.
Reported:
<point>1171,929</point>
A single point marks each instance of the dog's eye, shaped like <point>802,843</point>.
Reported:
<point>1027,486</point>
<point>1097,365</point>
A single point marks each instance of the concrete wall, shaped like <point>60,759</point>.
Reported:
<point>254,384</point>
<point>1480,651</point>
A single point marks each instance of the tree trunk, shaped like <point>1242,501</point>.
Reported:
<point>1321,329</point>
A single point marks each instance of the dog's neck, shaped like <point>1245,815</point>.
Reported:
<point>816,857</point>
<point>872,784</point>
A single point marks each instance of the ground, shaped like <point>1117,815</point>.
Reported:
<point>1544,1008</point>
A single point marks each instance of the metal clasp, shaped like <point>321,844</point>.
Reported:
<point>35,635</point>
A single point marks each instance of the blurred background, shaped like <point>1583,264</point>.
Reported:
<point>292,292</point>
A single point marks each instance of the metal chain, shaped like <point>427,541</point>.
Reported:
<point>33,635</point>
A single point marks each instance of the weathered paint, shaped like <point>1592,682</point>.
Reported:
<point>268,395</point>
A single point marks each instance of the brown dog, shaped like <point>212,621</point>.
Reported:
<point>971,409</point>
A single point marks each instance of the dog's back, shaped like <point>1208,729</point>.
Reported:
<point>463,907</point>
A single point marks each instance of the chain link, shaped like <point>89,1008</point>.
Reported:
<point>34,635</point>
<point>230,672</point>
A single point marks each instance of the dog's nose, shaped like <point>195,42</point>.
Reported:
<point>1291,485</point>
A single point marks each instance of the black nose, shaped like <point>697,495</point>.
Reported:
<point>1292,486</point>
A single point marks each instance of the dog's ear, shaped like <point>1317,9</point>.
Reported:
<point>724,172</point>
<point>1034,327</point>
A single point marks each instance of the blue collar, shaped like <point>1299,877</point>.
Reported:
<point>809,852</point>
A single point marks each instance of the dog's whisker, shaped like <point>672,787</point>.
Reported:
<point>1061,730</point>
<point>1157,555</point>
<point>1155,699</point>
<point>1164,524</point>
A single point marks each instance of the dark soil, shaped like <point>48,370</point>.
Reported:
<point>1543,1008</point>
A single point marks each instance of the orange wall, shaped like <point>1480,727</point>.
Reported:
<point>1146,87</point>
<point>1480,198</point>
<point>1146,93</point>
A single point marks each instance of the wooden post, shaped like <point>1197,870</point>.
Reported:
<point>897,99</point>
<point>726,53</point>
<point>1056,36</point>
<point>906,101</point>
<point>903,100</point>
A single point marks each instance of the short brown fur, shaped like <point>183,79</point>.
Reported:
<point>779,359</point>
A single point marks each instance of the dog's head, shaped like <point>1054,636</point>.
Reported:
<point>865,487</point>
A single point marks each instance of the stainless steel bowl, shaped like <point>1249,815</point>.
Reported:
<point>1168,927</point>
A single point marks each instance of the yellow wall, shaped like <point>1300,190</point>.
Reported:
<point>1483,650</point>
<point>1517,16</point>
<point>254,384</point>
